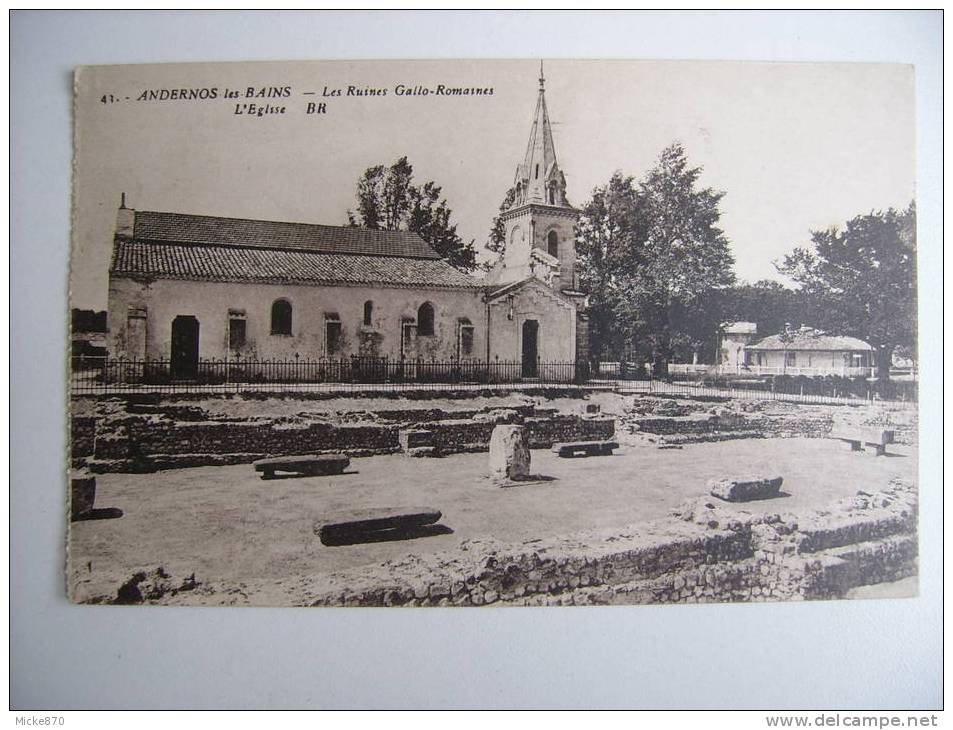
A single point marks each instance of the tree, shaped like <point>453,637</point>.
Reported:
<point>388,199</point>
<point>767,303</point>
<point>865,278</point>
<point>496,241</point>
<point>606,233</point>
<point>653,257</point>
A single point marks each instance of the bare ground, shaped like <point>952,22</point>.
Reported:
<point>227,526</point>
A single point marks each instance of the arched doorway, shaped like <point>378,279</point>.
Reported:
<point>185,347</point>
<point>530,348</point>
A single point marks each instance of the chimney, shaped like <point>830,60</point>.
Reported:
<point>125,220</point>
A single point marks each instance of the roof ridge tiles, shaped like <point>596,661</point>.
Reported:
<point>205,230</point>
<point>175,260</point>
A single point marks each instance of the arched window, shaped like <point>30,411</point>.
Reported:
<point>552,244</point>
<point>281,317</point>
<point>425,319</point>
<point>368,313</point>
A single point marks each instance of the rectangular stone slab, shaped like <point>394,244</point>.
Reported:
<point>584,448</point>
<point>745,490</point>
<point>872,436</point>
<point>374,519</point>
<point>414,438</point>
<point>82,494</point>
<point>311,465</point>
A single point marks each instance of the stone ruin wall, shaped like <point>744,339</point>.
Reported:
<point>671,422</point>
<point>127,435</point>
<point>704,553</point>
<point>131,437</point>
<point>707,552</point>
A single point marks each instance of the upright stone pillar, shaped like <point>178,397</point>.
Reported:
<point>509,453</point>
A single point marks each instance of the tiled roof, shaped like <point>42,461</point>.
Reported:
<point>269,265</point>
<point>202,229</point>
<point>811,340</point>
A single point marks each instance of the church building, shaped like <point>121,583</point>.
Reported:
<point>186,288</point>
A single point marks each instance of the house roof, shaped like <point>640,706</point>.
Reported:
<point>205,248</point>
<point>213,230</point>
<point>807,339</point>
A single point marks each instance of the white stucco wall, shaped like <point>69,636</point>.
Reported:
<point>164,299</point>
<point>803,358</point>
<point>556,341</point>
<point>529,228</point>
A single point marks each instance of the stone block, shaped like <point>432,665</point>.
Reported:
<point>584,448</point>
<point>745,490</point>
<point>509,453</point>
<point>414,438</point>
<point>374,524</point>
<point>309,465</point>
<point>82,494</point>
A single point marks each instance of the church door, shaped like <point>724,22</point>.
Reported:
<point>530,348</point>
<point>185,347</point>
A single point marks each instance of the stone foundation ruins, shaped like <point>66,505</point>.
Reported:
<point>671,423</point>
<point>711,549</point>
<point>703,553</point>
<point>135,435</point>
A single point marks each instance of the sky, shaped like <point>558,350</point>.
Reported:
<point>794,147</point>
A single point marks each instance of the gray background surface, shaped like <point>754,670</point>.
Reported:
<point>858,654</point>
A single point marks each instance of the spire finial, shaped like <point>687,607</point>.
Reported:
<point>122,202</point>
<point>542,79</point>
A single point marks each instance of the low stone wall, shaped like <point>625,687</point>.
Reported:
<point>544,432</point>
<point>82,436</point>
<point>145,437</point>
<point>668,422</point>
<point>705,553</point>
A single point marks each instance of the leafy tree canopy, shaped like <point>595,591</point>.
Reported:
<point>496,241</point>
<point>652,256</point>
<point>388,199</point>
<point>767,303</point>
<point>865,279</point>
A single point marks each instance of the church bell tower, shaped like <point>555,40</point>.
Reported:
<point>540,224</point>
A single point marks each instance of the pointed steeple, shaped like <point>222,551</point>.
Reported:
<point>538,179</point>
<point>539,226</point>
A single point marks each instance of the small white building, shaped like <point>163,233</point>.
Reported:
<point>802,351</point>
<point>735,337</point>
<point>811,352</point>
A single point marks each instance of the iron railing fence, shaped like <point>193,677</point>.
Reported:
<point>818,389</point>
<point>824,386</point>
<point>901,398</point>
<point>103,375</point>
<point>750,371</point>
<point>98,375</point>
